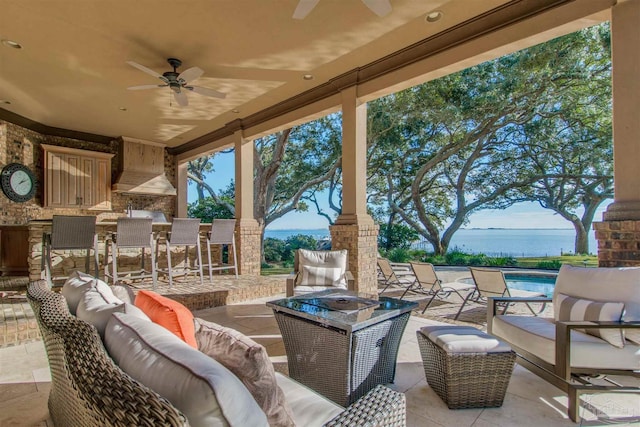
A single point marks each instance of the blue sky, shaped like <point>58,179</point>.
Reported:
<point>522,215</point>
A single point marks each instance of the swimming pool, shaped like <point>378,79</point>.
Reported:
<point>527,282</point>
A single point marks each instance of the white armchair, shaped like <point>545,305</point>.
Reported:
<point>316,271</point>
<point>595,331</point>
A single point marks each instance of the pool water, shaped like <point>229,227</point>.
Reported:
<point>533,283</point>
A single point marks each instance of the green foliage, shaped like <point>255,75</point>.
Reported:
<point>283,251</point>
<point>207,209</point>
<point>273,249</point>
<point>399,255</point>
<point>549,265</point>
<point>397,236</point>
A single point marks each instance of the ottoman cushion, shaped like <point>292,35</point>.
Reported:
<point>463,339</point>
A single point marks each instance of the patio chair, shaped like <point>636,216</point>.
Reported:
<point>70,233</point>
<point>223,232</point>
<point>489,283</point>
<point>391,277</point>
<point>316,271</point>
<point>131,233</point>
<point>426,278</point>
<point>184,232</point>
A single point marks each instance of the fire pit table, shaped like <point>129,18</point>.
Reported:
<point>339,344</point>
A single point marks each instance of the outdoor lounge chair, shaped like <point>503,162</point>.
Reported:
<point>316,271</point>
<point>490,282</point>
<point>595,332</point>
<point>390,277</point>
<point>426,277</point>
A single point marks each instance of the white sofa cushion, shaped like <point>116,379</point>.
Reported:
<point>578,309</point>
<point>537,336</point>
<point>604,284</point>
<point>204,390</point>
<point>309,408</point>
<point>79,283</point>
<point>97,305</point>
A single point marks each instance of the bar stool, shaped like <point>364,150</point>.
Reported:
<point>184,232</point>
<point>222,233</point>
<point>69,233</point>
<point>131,233</point>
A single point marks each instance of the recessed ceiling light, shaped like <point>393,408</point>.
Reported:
<point>235,110</point>
<point>433,16</point>
<point>122,108</point>
<point>307,77</point>
<point>11,43</point>
<point>4,101</point>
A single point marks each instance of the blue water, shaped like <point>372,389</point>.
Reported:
<point>491,242</point>
<point>540,284</point>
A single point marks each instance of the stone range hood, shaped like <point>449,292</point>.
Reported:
<point>142,169</point>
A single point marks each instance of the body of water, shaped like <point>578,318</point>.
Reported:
<point>491,242</point>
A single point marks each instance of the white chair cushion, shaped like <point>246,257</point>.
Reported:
<point>537,336</point>
<point>302,289</point>
<point>463,339</point>
<point>204,390</point>
<point>310,409</point>
<point>578,309</point>
<point>79,283</point>
<point>322,276</point>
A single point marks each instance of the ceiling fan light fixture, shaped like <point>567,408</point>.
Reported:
<point>12,44</point>
<point>433,16</point>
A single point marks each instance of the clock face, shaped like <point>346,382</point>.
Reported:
<point>17,182</point>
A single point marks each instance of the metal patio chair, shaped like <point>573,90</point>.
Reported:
<point>184,232</point>
<point>390,277</point>
<point>223,232</point>
<point>428,281</point>
<point>131,233</point>
<point>70,233</point>
<point>490,282</point>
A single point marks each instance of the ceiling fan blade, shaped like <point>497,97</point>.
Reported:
<point>142,87</point>
<point>379,7</point>
<point>303,8</point>
<point>145,69</point>
<point>181,98</point>
<point>206,91</point>
<point>191,74</point>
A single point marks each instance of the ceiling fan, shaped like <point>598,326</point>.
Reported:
<point>379,7</point>
<point>177,81</point>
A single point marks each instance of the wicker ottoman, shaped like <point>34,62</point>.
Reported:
<point>466,367</point>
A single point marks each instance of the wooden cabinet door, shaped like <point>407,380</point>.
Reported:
<point>56,180</point>
<point>102,184</point>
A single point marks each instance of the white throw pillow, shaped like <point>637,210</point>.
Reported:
<point>578,309</point>
<point>76,285</point>
<point>323,276</point>
<point>201,388</point>
<point>96,307</point>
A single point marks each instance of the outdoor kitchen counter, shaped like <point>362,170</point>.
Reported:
<point>38,227</point>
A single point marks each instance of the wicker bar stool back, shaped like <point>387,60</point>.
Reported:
<point>184,232</point>
<point>70,233</point>
<point>223,232</point>
<point>132,233</point>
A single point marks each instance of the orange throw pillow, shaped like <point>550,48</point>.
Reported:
<point>168,313</point>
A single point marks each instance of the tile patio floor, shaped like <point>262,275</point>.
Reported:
<point>25,381</point>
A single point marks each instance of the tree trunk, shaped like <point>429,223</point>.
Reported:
<point>582,238</point>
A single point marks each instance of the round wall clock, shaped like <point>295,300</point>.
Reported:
<point>17,182</point>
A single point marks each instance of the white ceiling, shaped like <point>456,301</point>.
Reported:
<point>72,73</point>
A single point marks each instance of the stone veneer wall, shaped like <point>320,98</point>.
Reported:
<point>361,241</point>
<point>248,247</point>
<point>618,243</point>
<point>18,144</point>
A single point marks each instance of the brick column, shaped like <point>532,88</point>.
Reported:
<point>361,241</point>
<point>248,234</point>
<point>618,243</point>
<point>619,234</point>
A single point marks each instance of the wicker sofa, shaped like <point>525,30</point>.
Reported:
<point>89,389</point>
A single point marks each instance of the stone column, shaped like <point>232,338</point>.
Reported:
<point>619,234</point>
<point>354,229</point>
<point>248,231</point>
<point>181,190</point>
